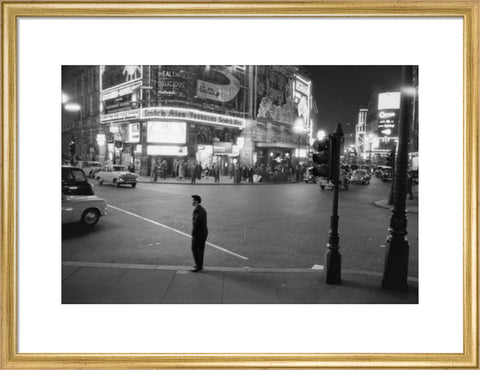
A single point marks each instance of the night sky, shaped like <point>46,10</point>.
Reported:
<point>340,91</point>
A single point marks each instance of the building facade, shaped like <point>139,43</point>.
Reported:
<point>136,115</point>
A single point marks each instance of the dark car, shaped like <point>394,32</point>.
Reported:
<point>74,182</point>
<point>360,177</point>
<point>387,175</point>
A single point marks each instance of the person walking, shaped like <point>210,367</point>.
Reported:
<point>216,172</point>
<point>250,174</point>
<point>154,174</point>
<point>163,169</point>
<point>193,170</point>
<point>410,183</point>
<point>199,232</point>
<point>181,170</point>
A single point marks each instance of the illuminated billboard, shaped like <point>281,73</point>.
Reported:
<point>218,88</point>
<point>388,114</point>
<point>120,88</point>
<point>164,132</point>
<point>389,100</point>
<point>113,76</point>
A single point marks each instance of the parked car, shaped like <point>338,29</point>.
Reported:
<point>360,177</point>
<point>86,209</point>
<point>91,167</point>
<point>116,175</point>
<point>74,181</point>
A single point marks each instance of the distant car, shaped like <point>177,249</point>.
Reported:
<point>325,183</point>
<point>360,177</point>
<point>116,175</point>
<point>367,168</point>
<point>387,175</point>
<point>309,176</point>
<point>381,170</point>
<point>91,167</point>
<point>74,181</point>
<point>86,209</point>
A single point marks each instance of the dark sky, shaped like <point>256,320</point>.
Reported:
<point>340,91</point>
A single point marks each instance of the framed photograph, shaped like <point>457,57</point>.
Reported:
<point>297,128</point>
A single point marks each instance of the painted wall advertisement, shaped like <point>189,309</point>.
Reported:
<point>113,76</point>
<point>280,95</point>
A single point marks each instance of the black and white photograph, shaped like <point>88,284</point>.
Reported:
<point>240,184</point>
<point>264,214</point>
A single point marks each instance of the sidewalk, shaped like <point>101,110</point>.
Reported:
<point>208,180</point>
<point>411,205</point>
<point>127,284</point>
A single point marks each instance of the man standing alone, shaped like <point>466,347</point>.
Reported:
<point>199,232</point>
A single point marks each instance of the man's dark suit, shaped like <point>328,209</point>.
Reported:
<point>199,235</point>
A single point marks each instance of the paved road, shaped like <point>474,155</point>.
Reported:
<point>267,226</point>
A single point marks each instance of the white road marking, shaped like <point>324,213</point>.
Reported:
<point>177,231</point>
<point>317,267</point>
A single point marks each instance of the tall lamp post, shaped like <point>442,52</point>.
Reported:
<point>71,107</point>
<point>397,249</point>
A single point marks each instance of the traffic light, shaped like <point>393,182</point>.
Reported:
<point>391,158</point>
<point>71,146</point>
<point>323,157</point>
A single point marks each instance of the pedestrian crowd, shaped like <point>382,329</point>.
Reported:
<point>191,170</point>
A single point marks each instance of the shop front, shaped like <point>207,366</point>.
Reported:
<point>271,155</point>
<point>171,135</point>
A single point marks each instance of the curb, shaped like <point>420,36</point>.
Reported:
<point>382,203</point>
<point>215,183</point>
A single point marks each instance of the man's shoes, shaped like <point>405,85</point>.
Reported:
<point>196,269</point>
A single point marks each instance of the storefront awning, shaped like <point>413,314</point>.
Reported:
<point>276,145</point>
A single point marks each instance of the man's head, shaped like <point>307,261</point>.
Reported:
<point>196,200</point>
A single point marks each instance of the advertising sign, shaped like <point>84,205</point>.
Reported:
<point>221,147</point>
<point>388,114</point>
<point>166,150</point>
<point>101,139</point>
<point>133,133</point>
<point>172,82</point>
<point>281,95</point>
<point>389,100</point>
<point>121,98</point>
<point>219,87</point>
<point>166,132</point>
<point>388,122</point>
<point>113,76</point>
<point>120,116</point>
<point>192,115</point>
<point>221,91</point>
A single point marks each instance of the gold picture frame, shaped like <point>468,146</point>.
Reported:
<point>467,10</point>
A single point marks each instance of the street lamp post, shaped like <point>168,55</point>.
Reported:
<point>333,259</point>
<point>397,249</point>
